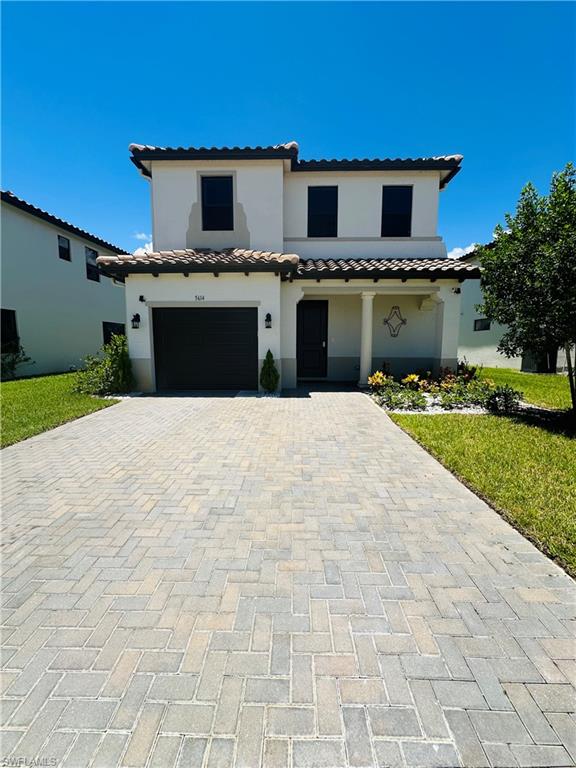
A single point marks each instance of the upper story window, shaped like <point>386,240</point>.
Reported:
<point>482,324</point>
<point>217,203</point>
<point>92,271</point>
<point>396,211</point>
<point>64,248</point>
<point>10,340</point>
<point>322,211</point>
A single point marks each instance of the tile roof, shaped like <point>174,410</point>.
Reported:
<point>17,202</point>
<point>289,151</point>
<point>200,260</point>
<point>243,260</point>
<point>357,268</point>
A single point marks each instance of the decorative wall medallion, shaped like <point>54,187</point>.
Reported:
<point>395,321</point>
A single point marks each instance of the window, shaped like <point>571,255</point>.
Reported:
<point>322,211</point>
<point>92,271</point>
<point>10,340</point>
<point>396,211</point>
<point>217,203</point>
<point>481,324</point>
<point>64,248</point>
<point>112,329</point>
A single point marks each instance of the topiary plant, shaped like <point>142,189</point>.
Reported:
<point>269,376</point>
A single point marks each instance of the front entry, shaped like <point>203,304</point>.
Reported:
<point>312,339</point>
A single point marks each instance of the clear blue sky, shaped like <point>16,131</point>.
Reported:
<point>80,81</point>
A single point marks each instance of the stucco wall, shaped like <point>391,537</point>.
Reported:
<point>480,347</point>
<point>59,312</point>
<point>360,214</point>
<point>260,290</point>
<point>258,213</point>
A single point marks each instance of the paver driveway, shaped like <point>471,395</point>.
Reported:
<point>279,582</point>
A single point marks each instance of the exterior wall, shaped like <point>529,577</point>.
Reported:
<point>480,347</point>
<point>59,312</point>
<point>360,213</point>
<point>258,209</point>
<point>260,290</point>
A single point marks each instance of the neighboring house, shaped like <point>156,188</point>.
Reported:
<point>335,266</point>
<point>55,301</point>
<point>479,337</point>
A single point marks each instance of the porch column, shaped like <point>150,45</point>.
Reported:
<point>366,337</point>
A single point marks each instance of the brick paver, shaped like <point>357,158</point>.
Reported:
<point>289,582</point>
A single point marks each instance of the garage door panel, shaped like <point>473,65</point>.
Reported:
<point>206,348</point>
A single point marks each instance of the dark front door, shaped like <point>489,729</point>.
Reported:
<point>209,348</point>
<point>312,339</point>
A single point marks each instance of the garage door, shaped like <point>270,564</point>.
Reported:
<point>208,348</point>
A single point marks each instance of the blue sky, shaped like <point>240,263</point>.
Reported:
<point>80,81</point>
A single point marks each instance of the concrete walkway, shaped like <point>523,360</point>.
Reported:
<point>209,582</point>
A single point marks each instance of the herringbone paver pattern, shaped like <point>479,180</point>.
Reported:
<point>203,583</point>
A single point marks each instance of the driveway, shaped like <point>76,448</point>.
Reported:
<point>235,581</point>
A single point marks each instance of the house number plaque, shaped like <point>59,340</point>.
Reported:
<point>199,298</point>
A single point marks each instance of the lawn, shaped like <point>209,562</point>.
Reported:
<point>551,390</point>
<point>526,472</point>
<point>31,406</point>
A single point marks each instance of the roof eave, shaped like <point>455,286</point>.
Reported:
<point>429,274</point>
<point>153,269</point>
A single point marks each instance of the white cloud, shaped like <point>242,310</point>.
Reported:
<point>142,236</point>
<point>145,249</point>
<point>457,253</point>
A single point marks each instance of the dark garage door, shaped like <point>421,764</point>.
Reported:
<point>208,348</point>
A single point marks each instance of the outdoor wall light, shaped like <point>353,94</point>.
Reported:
<point>141,298</point>
<point>268,320</point>
<point>136,321</point>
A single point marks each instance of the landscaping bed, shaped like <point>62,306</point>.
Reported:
<point>31,406</point>
<point>523,465</point>
<point>549,390</point>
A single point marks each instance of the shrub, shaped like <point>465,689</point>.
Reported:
<point>269,376</point>
<point>503,399</point>
<point>398,398</point>
<point>11,360</point>
<point>466,371</point>
<point>108,373</point>
<point>411,381</point>
<point>380,380</point>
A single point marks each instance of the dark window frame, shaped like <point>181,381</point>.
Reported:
<point>92,271</point>
<point>395,223</point>
<point>64,248</point>
<point>322,220</point>
<point>9,327</point>
<point>482,324</point>
<point>215,214</point>
<point>110,329</point>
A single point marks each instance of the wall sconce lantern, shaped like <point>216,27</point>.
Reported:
<point>136,321</point>
<point>268,320</point>
<point>142,299</point>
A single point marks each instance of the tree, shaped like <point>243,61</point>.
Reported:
<point>269,376</point>
<point>529,273</point>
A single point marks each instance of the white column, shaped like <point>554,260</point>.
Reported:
<point>366,337</point>
<point>447,327</point>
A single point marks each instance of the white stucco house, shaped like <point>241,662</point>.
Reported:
<point>56,303</point>
<point>336,266</point>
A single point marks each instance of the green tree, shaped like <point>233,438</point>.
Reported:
<point>269,376</point>
<point>529,273</point>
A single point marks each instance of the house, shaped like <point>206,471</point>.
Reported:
<point>335,266</point>
<point>55,301</point>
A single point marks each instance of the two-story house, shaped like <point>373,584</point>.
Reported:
<point>333,265</point>
<point>56,303</point>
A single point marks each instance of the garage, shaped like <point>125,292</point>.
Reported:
<point>206,348</point>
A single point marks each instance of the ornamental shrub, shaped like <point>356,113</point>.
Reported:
<point>269,376</point>
<point>11,359</point>
<point>379,381</point>
<point>398,398</point>
<point>109,372</point>
<point>504,399</point>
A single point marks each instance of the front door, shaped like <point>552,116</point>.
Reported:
<point>312,339</point>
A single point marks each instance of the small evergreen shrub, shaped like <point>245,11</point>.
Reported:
<point>398,398</point>
<point>269,376</point>
<point>503,399</point>
<point>11,360</point>
<point>109,372</point>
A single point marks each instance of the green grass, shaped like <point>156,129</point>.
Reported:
<point>551,390</point>
<point>526,472</point>
<point>31,406</point>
